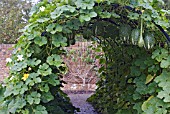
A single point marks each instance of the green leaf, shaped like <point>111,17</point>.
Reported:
<point>40,110</point>
<point>154,106</point>
<point>83,18</point>
<point>16,103</point>
<point>33,79</point>
<point>164,95</point>
<point>93,14</point>
<point>105,15</point>
<point>33,98</point>
<point>33,62</point>
<point>146,5</point>
<point>53,28</point>
<point>62,9</point>
<point>53,80</point>
<point>44,69</point>
<point>19,66</point>
<point>160,54</point>
<point>46,97</point>
<point>18,88</point>
<point>164,82</point>
<point>134,16</point>
<point>86,4</point>
<point>40,40</point>
<point>115,15</point>
<point>50,27</point>
<point>146,17</point>
<point>58,40</point>
<point>41,20</point>
<point>165,63</point>
<point>44,87</point>
<point>55,60</point>
<point>12,107</point>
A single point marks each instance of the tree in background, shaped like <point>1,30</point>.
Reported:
<point>14,16</point>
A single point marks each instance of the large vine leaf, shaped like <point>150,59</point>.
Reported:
<point>33,62</point>
<point>55,60</point>
<point>33,79</point>
<point>61,9</point>
<point>44,87</point>
<point>40,110</point>
<point>46,97</point>
<point>86,4</point>
<point>40,40</point>
<point>164,81</point>
<point>19,88</point>
<point>19,102</point>
<point>160,54</point>
<point>44,69</point>
<point>19,66</point>
<point>33,98</point>
<point>53,80</point>
<point>154,105</point>
<point>134,16</point>
<point>59,40</point>
<point>41,20</point>
<point>165,63</point>
<point>53,28</point>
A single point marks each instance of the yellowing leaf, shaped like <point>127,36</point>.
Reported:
<point>149,78</point>
<point>145,104</point>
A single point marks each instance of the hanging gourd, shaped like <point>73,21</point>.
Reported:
<point>149,40</point>
<point>135,36</point>
<point>141,40</point>
<point>125,32</point>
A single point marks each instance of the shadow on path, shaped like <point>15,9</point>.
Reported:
<point>79,101</point>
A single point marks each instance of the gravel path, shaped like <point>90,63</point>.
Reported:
<point>79,101</point>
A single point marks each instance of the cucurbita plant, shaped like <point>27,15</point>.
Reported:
<point>33,86</point>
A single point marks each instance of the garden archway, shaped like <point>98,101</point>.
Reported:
<point>36,65</point>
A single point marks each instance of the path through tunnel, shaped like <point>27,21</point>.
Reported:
<point>82,76</point>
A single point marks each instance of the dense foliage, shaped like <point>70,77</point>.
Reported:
<point>14,16</point>
<point>134,77</point>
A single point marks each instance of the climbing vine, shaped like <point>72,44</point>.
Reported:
<point>134,77</point>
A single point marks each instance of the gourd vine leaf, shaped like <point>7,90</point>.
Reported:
<point>58,40</point>
<point>86,4</point>
<point>41,20</point>
<point>164,82</point>
<point>33,79</point>
<point>44,69</point>
<point>61,9</point>
<point>55,60</point>
<point>53,80</point>
<point>19,66</point>
<point>33,62</point>
<point>40,110</point>
<point>40,40</point>
<point>154,105</point>
<point>44,87</point>
<point>165,63</point>
<point>33,98</point>
<point>46,97</point>
<point>160,54</point>
<point>134,16</point>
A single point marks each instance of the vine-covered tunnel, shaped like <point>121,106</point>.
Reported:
<point>135,65</point>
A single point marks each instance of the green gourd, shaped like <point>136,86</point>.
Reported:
<point>149,40</point>
<point>135,36</point>
<point>125,32</point>
<point>141,40</point>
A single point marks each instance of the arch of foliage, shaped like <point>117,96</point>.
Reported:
<point>133,79</point>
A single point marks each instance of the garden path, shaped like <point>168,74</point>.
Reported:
<point>79,101</point>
